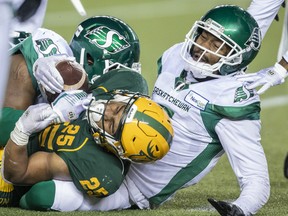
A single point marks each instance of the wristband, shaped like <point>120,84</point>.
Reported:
<point>18,137</point>
<point>280,70</point>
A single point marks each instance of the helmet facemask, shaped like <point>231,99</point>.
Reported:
<point>238,42</point>
<point>95,113</point>
<point>198,66</point>
<point>144,131</point>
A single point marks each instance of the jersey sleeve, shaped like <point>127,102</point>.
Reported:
<point>241,142</point>
<point>264,12</point>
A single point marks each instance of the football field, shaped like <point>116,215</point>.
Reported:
<point>160,24</point>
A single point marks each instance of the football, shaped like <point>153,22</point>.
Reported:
<point>74,76</point>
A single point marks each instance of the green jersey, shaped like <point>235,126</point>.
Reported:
<point>93,170</point>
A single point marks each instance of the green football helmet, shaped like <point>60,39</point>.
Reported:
<point>235,28</point>
<point>104,42</point>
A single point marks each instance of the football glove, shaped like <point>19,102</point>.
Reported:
<point>68,105</point>
<point>266,78</point>
<point>286,167</point>
<point>226,208</point>
<point>46,74</point>
<point>35,118</point>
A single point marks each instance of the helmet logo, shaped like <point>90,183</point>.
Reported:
<point>254,41</point>
<point>47,47</point>
<point>108,39</point>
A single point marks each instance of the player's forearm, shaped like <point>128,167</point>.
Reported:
<point>264,12</point>
<point>15,162</point>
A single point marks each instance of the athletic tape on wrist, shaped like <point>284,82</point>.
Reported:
<point>18,137</point>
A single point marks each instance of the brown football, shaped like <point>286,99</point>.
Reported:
<point>74,76</point>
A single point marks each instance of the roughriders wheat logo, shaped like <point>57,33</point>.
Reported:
<point>107,39</point>
<point>242,94</point>
<point>47,47</point>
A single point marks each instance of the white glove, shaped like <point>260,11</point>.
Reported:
<point>267,78</point>
<point>68,105</point>
<point>46,74</point>
<point>34,119</point>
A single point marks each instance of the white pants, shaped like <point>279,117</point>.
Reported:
<point>68,198</point>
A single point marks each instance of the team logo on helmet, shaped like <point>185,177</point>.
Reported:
<point>254,41</point>
<point>47,47</point>
<point>108,39</point>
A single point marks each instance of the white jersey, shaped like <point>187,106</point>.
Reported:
<point>209,118</point>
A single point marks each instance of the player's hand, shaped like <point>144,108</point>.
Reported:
<point>46,74</point>
<point>266,78</point>
<point>35,118</point>
<point>68,105</point>
<point>226,208</point>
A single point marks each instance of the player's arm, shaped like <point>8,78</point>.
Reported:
<point>19,92</point>
<point>17,167</point>
<point>241,142</point>
<point>268,77</point>
<point>19,95</point>
<point>20,169</point>
<point>264,12</point>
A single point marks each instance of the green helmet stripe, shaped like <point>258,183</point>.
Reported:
<point>155,124</point>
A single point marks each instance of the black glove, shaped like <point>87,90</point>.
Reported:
<point>27,9</point>
<point>286,167</point>
<point>277,16</point>
<point>226,208</point>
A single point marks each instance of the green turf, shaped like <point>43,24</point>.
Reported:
<point>160,24</point>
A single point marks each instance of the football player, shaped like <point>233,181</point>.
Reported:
<point>97,56</point>
<point>212,113</point>
<point>121,122</point>
<point>130,125</point>
<point>88,43</point>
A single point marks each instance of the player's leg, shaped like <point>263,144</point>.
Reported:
<point>40,197</point>
<point>52,195</point>
<point>6,189</point>
<point>64,196</point>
